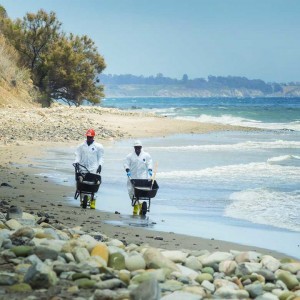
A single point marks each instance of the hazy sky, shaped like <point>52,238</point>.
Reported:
<point>252,38</point>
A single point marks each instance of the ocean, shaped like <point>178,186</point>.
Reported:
<point>236,186</point>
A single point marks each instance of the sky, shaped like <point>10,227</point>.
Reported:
<point>258,39</point>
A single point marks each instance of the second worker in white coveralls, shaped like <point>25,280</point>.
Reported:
<point>138,165</point>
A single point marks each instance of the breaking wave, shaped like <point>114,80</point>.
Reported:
<point>266,206</point>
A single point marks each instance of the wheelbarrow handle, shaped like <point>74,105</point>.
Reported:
<point>131,180</point>
<point>77,165</point>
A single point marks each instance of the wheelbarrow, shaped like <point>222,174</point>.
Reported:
<point>144,190</point>
<point>87,184</point>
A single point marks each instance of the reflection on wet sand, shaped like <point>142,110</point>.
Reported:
<point>133,220</point>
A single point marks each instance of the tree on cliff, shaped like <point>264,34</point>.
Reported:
<point>72,66</point>
<point>3,13</point>
<point>63,67</point>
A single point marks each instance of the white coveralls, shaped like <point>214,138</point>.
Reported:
<point>138,166</point>
<point>90,156</point>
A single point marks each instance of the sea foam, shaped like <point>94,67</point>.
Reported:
<point>249,145</point>
<point>238,121</point>
<point>266,206</point>
<point>242,173</point>
<point>285,160</point>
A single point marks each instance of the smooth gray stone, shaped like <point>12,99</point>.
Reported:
<point>171,286</point>
<point>110,295</point>
<point>192,262</point>
<point>32,259</point>
<point>154,259</point>
<point>5,234</point>
<point>267,274</point>
<point>52,232</point>
<point>269,287</point>
<point>180,295</point>
<point>7,244</point>
<point>267,296</point>
<point>254,289</point>
<point>58,269</point>
<point>8,278</point>
<point>40,276</point>
<point>229,293</point>
<point>7,254</point>
<point>147,290</point>
<point>247,268</point>
<point>14,212</point>
<point>2,217</point>
<point>45,253</point>
<point>110,284</point>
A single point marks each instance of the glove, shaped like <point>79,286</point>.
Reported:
<point>150,172</point>
<point>128,173</point>
<point>99,169</point>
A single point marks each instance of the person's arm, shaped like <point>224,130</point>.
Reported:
<point>100,155</point>
<point>127,164</point>
<point>149,162</point>
<point>77,155</point>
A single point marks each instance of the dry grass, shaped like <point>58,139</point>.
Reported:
<point>16,88</point>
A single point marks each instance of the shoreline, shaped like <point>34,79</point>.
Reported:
<point>38,194</point>
<point>33,131</point>
<point>53,249</point>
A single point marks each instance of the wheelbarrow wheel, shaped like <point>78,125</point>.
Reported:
<point>85,201</point>
<point>144,208</point>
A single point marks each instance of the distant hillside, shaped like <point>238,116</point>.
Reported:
<point>214,86</point>
<point>16,89</point>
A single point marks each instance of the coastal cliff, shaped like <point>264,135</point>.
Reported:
<point>144,90</point>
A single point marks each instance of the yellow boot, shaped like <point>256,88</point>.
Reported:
<point>93,204</point>
<point>136,209</point>
<point>140,208</point>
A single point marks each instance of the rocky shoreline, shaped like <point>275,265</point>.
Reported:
<point>50,249</point>
<point>61,123</point>
<point>54,124</point>
<point>41,258</point>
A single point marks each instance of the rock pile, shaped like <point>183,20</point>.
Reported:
<point>40,258</point>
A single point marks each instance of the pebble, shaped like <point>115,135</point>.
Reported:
<point>68,263</point>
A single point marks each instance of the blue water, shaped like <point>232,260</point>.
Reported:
<point>270,113</point>
<point>236,186</point>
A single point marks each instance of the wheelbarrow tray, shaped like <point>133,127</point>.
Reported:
<point>90,184</point>
<point>143,188</point>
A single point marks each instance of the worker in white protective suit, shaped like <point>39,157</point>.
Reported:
<point>138,165</point>
<point>90,155</point>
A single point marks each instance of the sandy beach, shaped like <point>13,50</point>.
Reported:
<point>28,133</point>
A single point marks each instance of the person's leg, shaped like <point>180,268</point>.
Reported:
<point>134,202</point>
<point>140,208</point>
<point>93,202</point>
<point>136,207</point>
<point>81,198</point>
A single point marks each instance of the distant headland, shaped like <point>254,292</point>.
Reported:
<point>128,85</point>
